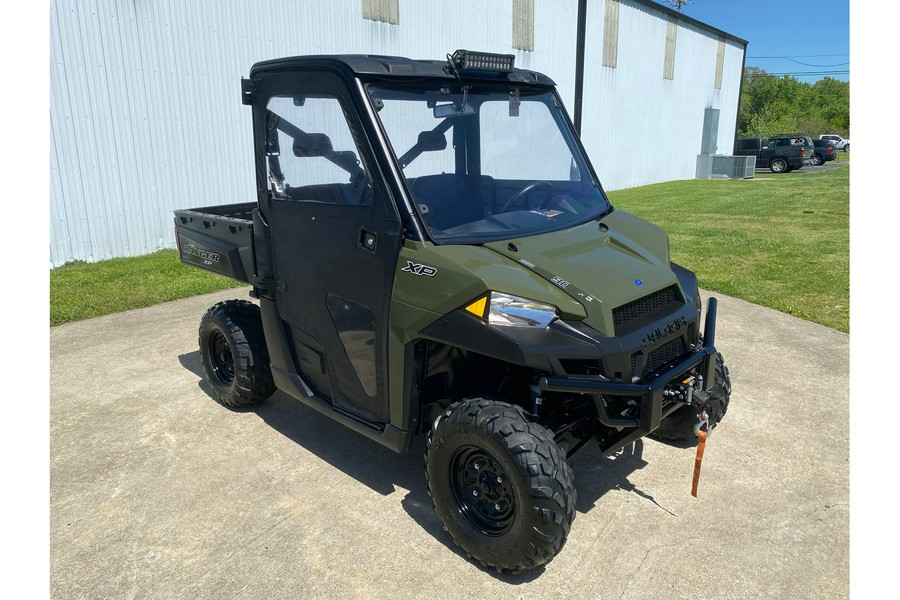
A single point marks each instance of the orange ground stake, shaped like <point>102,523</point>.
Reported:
<point>701,445</point>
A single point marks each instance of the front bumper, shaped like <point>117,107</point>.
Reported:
<point>649,394</point>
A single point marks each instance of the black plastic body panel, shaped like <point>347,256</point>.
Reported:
<point>548,349</point>
<point>218,239</point>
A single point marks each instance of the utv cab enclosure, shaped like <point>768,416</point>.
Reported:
<point>432,253</point>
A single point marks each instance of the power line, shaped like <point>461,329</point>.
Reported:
<point>803,56</point>
<point>781,23</point>
<point>797,73</point>
<point>811,65</point>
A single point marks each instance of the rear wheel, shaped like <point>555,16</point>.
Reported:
<point>683,424</point>
<point>233,353</point>
<point>847,148</point>
<point>818,160</point>
<point>779,165</point>
<point>500,484</point>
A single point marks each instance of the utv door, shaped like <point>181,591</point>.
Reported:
<point>334,239</point>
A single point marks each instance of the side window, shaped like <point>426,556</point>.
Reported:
<point>312,153</point>
<point>407,125</point>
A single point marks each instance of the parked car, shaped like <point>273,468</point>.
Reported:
<point>839,142</point>
<point>823,152</point>
<point>780,154</point>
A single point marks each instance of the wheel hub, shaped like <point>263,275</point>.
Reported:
<point>221,358</point>
<point>482,490</point>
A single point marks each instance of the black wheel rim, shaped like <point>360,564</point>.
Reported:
<point>482,491</point>
<point>220,358</point>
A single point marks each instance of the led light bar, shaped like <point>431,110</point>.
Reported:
<point>466,60</point>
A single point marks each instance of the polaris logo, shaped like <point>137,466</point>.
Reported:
<point>661,333</point>
<point>420,270</point>
<point>207,256</point>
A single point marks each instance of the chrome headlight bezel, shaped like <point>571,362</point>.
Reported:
<point>508,310</point>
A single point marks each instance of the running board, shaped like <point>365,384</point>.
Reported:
<point>387,435</point>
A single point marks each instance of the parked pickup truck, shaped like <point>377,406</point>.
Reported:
<point>781,154</point>
<point>432,254</point>
<point>839,142</point>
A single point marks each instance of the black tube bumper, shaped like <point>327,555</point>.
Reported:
<point>650,393</point>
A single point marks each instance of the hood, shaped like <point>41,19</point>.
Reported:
<point>602,264</point>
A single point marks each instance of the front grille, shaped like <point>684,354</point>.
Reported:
<point>665,354</point>
<point>638,308</point>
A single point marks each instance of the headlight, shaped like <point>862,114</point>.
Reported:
<point>513,311</point>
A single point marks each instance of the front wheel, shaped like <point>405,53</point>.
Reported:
<point>847,148</point>
<point>233,353</point>
<point>500,484</point>
<point>779,165</point>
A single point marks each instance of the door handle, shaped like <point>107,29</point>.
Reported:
<point>368,240</point>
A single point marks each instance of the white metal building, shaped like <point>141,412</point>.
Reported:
<point>141,89</point>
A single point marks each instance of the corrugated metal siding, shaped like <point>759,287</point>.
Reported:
<point>720,62</point>
<point>671,39</point>
<point>523,25</point>
<point>146,117</point>
<point>387,11</point>
<point>640,128</point>
<point>610,33</point>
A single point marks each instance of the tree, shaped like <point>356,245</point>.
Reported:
<point>679,4</point>
<point>771,105</point>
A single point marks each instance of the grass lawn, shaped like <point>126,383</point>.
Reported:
<point>781,241</point>
<point>80,290</point>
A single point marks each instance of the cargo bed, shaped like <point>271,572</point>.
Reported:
<point>218,239</point>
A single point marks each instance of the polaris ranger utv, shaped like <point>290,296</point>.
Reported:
<point>433,254</point>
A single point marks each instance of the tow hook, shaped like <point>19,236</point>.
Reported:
<point>702,423</point>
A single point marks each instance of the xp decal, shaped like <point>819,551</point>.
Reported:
<point>420,270</point>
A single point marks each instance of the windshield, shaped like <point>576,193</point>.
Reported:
<point>486,163</point>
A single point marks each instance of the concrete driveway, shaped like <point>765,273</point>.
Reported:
<point>157,491</point>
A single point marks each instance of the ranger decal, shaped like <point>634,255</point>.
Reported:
<point>207,256</point>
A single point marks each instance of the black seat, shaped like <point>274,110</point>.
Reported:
<point>446,200</point>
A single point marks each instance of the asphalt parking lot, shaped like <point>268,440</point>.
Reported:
<point>157,491</point>
<point>807,170</point>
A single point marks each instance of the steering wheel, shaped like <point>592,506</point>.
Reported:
<point>527,190</point>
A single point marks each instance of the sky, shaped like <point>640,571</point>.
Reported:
<point>780,34</point>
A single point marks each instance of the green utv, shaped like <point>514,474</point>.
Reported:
<point>432,253</point>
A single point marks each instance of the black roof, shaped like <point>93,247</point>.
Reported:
<point>395,66</point>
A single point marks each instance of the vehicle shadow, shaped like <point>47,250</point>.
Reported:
<point>595,475</point>
<point>366,461</point>
<point>369,463</point>
<point>384,471</point>
<point>191,362</point>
